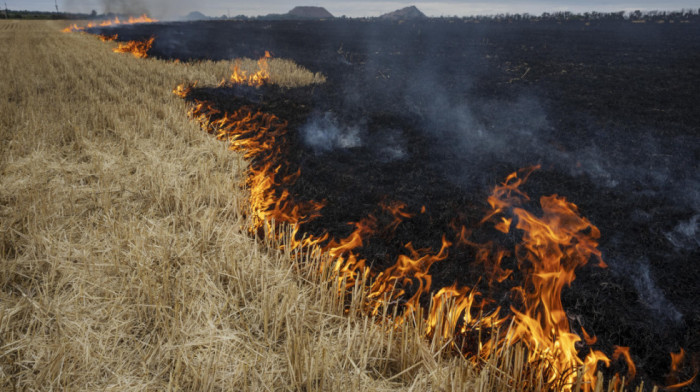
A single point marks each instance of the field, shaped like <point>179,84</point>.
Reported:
<point>127,258</point>
<point>419,121</point>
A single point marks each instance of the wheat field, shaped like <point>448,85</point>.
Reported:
<point>126,262</point>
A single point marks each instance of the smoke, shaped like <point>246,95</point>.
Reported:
<point>323,134</point>
<point>686,234</point>
<point>649,293</point>
<point>159,9</point>
<point>125,7</point>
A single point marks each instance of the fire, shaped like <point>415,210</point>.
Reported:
<point>677,360</point>
<point>625,353</point>
<point>71,28</point>
<point>257,79</point>
<point>553,244</point>
<point>137,48</point>
<point>257,134</point>
<point>116,21</point>
<point>107,38</point>
<point>398,211</point>
<point>183,90</point>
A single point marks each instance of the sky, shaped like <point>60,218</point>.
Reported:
<point>171,9</point>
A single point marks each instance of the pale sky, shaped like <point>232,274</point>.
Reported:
<point>170,9</point>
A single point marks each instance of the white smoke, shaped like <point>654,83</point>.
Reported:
<point>649,293</point>
<point>686,234</point>
<point>159,9</point>
<point>389,146</point>
<point>323,134</point>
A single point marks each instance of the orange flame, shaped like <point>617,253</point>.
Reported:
<point>107,38</point>
<point>137,48</point>
<point>625,353</point>
<point>554,244</point>
<point>672,379</point>
<point>256,133</point>
<point>396,208</point>
<point>588,339</point>
<point>71,28</point>
<point>183,90</point>
<point>257,79</point>
<point>131,20</point>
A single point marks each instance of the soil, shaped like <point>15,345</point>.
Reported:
<point>434,113</point>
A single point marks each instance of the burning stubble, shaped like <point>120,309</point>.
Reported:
<point>478,127</point>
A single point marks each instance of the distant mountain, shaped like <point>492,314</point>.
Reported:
<point>310,13</point>
<point>407,13</point>
<point>195,15</point>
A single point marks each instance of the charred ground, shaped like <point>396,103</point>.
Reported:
<point>434,113</point>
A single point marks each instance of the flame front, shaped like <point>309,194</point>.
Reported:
<point>553,243</point>
<point>107,38</point>
<point>137,48</point>
<point>116,21</point>
<point>257,79</point>
<point>260,136</point>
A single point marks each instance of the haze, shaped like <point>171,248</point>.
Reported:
<point>172,9</point>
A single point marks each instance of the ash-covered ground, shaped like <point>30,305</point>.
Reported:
<point>435,113</point>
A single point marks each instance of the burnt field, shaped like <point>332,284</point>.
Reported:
<point>418,122</point>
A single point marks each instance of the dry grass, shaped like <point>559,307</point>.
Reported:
<point>125,259</point>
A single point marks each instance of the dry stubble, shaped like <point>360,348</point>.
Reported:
<point>125,259</point>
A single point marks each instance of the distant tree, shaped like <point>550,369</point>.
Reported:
<point>93,14</point>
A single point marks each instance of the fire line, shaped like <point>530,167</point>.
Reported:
<point>553,245</point>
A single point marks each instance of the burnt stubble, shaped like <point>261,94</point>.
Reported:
<point>435,113</point>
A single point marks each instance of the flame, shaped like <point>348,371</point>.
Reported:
<point>625,353</point>
<point>107,38</point>
<point>409,270</point>
<point>397,210</point>
<point>488,255</point>
<point>676,360</point>
<point>588,339</point>
<point>258,135</point>
<point>183,90</point>
<point>116,21</point>
<point>257,79</point>
<point>553,246</point>
<point>71,28</point>
<point>554,243</point>
<point>137,48</point>
<point>672,379</point>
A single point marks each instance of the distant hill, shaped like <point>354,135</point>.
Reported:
<point>194,15</point>
<point>404,14</point>
<point>310,13</point>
